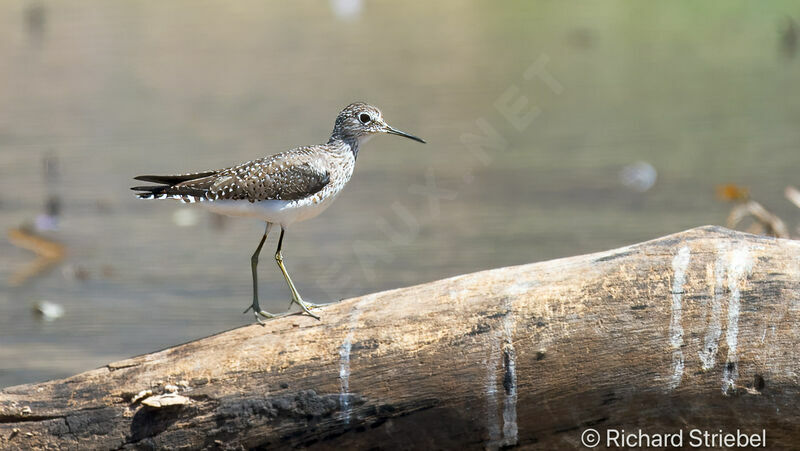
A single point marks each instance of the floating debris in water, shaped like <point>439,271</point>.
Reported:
<point>788,41</point>
<point>793,194</point>
<point>48,220</point>
<point>46,223</point>
<point>35,20</point>
<point>48,253</point>
<point>48,311</point>
<point>766,223</point>
<point>75,272</point>
<point>763,222</point>
<point>733,193</point>
<point>347,9</point>
<point>185,217</point>
<point>639,176</point>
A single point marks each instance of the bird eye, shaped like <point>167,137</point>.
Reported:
<point>364,118</point>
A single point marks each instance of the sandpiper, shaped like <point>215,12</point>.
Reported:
<point>282,189</point>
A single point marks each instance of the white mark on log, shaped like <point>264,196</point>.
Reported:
<point>502,346</point>
<point>344,376</point>
<point>740,265</point>
<point>679,265</point>
<point>344,363</point>
<point>708,355</point>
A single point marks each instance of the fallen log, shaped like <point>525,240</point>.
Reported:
<point>699,329</point>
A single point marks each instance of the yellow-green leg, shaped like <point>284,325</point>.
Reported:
<point>295,295</point>
<point>257,312</point>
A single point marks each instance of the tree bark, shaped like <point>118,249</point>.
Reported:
<point>699,329</point>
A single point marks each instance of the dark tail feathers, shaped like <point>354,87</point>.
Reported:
<point>173,179</point>
<point>166,185</point>
<point>158,190</point>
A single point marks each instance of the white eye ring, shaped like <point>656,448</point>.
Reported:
<point>364,118</point>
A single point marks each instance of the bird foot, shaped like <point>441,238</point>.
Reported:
<point>306,306</point>
<point>261,315</point>
<point>310,305</point>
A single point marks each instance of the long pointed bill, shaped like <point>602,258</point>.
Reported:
<point>397,132</point>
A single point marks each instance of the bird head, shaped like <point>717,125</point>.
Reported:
<point>359,121</point>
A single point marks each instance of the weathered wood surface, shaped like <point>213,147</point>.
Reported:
<point>695,330</point>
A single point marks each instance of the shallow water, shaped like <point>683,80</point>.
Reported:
<point>705,95</point>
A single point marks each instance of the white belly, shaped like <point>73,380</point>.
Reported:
<point>283,212</point>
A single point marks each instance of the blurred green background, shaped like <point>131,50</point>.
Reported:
<point>645,108</point>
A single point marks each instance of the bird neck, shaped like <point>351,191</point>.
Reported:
<point>345,143</point>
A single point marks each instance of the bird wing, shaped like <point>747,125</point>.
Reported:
<point>269,179</point>
<point>287,176</point>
